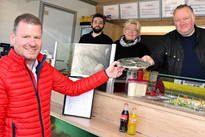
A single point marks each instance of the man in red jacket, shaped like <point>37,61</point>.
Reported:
<point>26,82</point>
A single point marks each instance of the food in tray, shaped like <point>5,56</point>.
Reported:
<point>133,63</point>
<point>198,105</point>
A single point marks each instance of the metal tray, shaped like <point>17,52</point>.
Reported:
<point>133,63</point>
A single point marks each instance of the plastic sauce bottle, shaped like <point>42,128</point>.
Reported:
<point>124,118</point>
<point>132,122</point>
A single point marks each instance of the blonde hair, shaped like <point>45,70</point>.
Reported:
<point>132,21</point>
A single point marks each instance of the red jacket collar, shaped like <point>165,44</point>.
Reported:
<point>20,59</point>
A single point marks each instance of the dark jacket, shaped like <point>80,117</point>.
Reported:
<point>100,39</point>
<point>169,53</point>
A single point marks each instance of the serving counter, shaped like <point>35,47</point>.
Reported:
<point>154,119</point>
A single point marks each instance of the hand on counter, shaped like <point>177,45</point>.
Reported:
<point>113,71</point>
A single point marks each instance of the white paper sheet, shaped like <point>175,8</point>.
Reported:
<point>198,6</point>
<point>149,9</point>
<point>112,10</point>
<point>129,10</point>
<point>80,106</point>
<point>168,7</point>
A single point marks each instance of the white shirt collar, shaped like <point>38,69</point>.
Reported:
<point>34,68</point>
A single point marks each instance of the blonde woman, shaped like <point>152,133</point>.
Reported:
<point>129,44</point>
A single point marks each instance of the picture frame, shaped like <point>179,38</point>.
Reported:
<point>129,10</point>
<point>79,106</point>
<point>112,11</point>
<point>198,7</point>
<point>168,7</point>
<point>149,9</point>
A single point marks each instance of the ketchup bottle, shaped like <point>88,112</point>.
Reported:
<point>124,118</point>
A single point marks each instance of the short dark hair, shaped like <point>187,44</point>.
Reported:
<point>183,6</point>
<point>27,18</point>
<point>100,16</point>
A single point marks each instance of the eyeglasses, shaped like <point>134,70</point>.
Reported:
<point>97,22</point>
<point>129,29</point>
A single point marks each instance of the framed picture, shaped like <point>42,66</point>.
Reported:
<point>129,10</point>
<point>168,7</point>
<point>79,106</point>
<point>198,6</point>
<point>112,11</point>
<point>150,9</point>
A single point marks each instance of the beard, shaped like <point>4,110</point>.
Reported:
<point>97,30</point>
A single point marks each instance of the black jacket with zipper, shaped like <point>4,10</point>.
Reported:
<point>169,53</point>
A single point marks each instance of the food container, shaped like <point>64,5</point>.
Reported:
<point>131,87</point>
<point>140,74</point>
<point>153,76</point>
<point>132,74</point>
<point>146,74</point>
<point>137,87</point>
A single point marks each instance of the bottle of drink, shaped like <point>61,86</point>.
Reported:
<point>132,122</point>
<point>124,118</point>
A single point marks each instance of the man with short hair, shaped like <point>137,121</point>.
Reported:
<point>26,81</point>
<point>182,51</point>
<point>96,36</point>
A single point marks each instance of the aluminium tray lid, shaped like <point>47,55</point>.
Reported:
<point>133,63</point>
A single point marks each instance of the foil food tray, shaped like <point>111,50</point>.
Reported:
<point>133,63</point>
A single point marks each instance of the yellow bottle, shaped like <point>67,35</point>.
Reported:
<point>132,122</point>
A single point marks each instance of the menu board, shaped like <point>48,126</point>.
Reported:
<point>168,7</point>
<point>198,6</point>
<point>149,9</point>
<point>80,106</point>
<point>112,11</point>
<point>129,10</point>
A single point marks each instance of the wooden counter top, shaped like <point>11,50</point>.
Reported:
<point>94,125</point>
<point>153,120</point>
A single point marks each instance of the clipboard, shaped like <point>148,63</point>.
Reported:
<point>79,106</point>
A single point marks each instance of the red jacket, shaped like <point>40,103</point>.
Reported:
<point>25,103</point>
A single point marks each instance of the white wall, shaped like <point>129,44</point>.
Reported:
<point>157,29</point>
<point>10,9</point>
